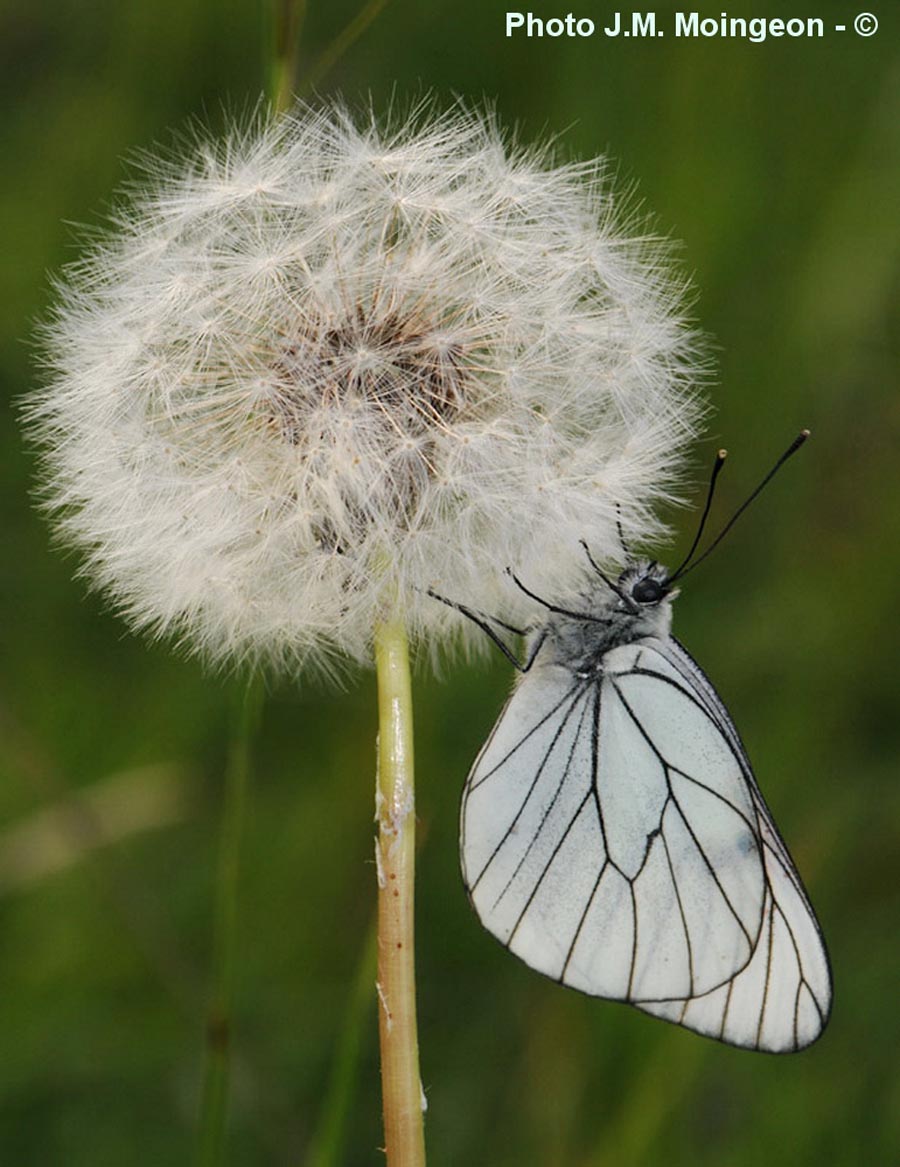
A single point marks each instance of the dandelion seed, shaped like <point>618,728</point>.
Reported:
<point>320,366</point>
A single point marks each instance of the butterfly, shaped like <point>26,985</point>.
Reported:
<point>613,835</point>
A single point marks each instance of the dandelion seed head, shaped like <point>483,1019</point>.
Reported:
<point>323,365</point>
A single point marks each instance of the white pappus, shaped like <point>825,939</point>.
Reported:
<point>331,356</point>
<point>613,835</point>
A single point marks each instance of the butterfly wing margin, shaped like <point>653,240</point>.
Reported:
<point>780,1001</point>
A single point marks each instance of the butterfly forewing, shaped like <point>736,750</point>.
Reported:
<point>614,838</point>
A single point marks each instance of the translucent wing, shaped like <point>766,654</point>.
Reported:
<point>614,839</point>
<point>782,999</point>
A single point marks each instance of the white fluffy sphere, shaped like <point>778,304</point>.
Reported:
<point>320,366</point>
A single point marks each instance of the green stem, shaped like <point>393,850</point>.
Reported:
<point>288,17</point>
<point>351,32</point>
<point>401,1087</point>
<point>327,1147</point>
<point>214,1103</point>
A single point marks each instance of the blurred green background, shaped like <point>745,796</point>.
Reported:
<point>777,166</point>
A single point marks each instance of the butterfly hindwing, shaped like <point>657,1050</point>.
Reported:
<point>781,1000</point>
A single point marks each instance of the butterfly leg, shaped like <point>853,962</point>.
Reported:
<point>484,622</point>
<point>621,533</point>
<point>586,616</point>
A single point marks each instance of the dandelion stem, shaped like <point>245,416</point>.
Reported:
<point>395,855</point>
<point>214,1103</point>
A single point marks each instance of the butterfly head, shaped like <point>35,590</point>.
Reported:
<point>633,606</point>
<point>644,584</point>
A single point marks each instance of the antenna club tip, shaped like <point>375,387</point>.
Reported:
<point>804,434</point>
<point>722,455</point>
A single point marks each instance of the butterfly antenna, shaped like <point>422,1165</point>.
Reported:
<point>792,449</point>
<point>717,466</point>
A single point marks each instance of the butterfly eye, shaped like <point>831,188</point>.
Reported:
<point>647,591</point>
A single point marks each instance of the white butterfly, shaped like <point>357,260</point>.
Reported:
<point>614,837</point>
